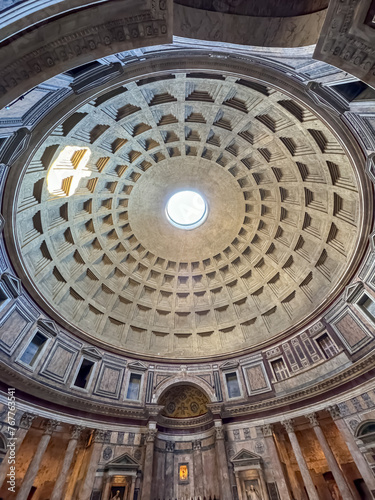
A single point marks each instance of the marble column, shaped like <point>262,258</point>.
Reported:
<point>222,465</point>
<point>277,468</point>
<point>96,450</point>
<point>32,470</point>
<point>308,482</point>
<point>24,426</point>
<point>238,483</point>
<point>148,467</point>
<point>59,487</point>
<point>132,488</point>
<point>106,486</point>
<point>331,460</point>
<point>263,484</point>
<point>169,469</point>
<point>197,469</point>
<point>355,452</point>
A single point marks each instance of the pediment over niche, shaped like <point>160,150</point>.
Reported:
<point>352,290</point>
<point>48,325</point>
<point>228,365</point>
<point>91,352</point>
<point>123,462</point>
<point>13,283</point>
<point>137,365</point>
<point>246,458</point>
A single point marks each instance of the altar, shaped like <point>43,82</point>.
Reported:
<point>119,478</point>
<point>248,471</point>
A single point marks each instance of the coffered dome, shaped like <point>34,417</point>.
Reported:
<point>283,222</point>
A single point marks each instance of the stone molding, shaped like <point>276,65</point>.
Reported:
<point>294,31</point>
<point>153,410</point>
<point>346,41</point>
<point>182,423</point>
<point>80,40</point>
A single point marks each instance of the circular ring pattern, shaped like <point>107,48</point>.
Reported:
<point>186,209</point>
<point>284,216</point>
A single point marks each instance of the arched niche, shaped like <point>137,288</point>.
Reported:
<point>366,431</point>
<point>191,380</point>
<point>184,401</point>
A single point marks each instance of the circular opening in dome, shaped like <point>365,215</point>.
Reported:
<point>186,209</point>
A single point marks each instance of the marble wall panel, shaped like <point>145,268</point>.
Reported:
<point>13,326</point>
<point>351,331</point>
<point>109,381</point>
<point>59,362</point>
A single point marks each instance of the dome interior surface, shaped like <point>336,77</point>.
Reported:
<point>283,222</point>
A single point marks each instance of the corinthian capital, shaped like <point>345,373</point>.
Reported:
<point>99,436</point>
<point>27,420</point>
<point>76,432</point>
<point>288,425</point>
<point>169,446</point>
<point>267,430</point>
<point>219,433</point>
<point>197,445</point>
<point>50,426</point>
<point>150,435</point>
<point>334,411</point>
<point>313,419</point>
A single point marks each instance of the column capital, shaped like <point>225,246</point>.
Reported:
<point>169,446</point>
<point>313,419</point>
<point>288,425</point>
<point>151,435</point>
<point>334,411</point>
<point>76,431</point>
<point>219,433</point>
<point>267,430</point>
<point>197,445</point>
<point>99,436</point>
<point>50,426</point>
<point>27,420</point>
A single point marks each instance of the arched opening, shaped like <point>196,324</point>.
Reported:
<point>366,431</point>
<point>184,401</point>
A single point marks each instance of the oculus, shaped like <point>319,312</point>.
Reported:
<point>186,209</point>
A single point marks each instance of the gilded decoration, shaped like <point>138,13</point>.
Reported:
<point>184,402</point>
